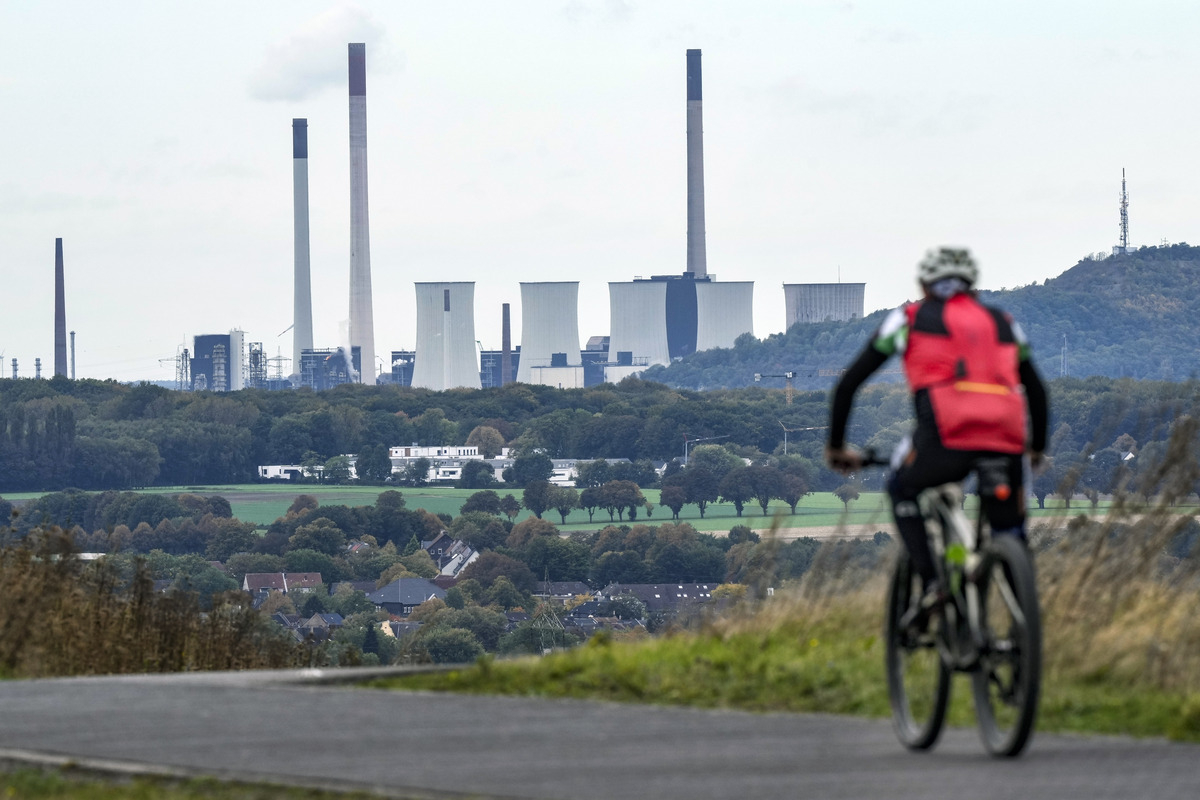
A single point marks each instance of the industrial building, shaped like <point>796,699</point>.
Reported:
<point>445,355</point>
<point>218,362</point>
<point>550,335</point>
<point>823,302</point>
<point>325,369</point>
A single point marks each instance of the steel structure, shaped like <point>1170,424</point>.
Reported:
<point>1124,246</point>
<point>362,324</point>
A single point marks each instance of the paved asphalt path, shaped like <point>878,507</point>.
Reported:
<point>296,727</point>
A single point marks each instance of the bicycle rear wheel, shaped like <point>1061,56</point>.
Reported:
<point>1007,683</point>
<point>918,679</point>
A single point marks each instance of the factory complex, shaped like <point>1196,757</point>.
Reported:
<point>653,320</point>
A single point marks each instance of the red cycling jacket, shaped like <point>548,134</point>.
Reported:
<point>966,356</point>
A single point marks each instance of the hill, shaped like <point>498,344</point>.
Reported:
<point>1132,315</point>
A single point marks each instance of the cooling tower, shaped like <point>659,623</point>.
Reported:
<point>60,312</point>
<point>362,323</point>
<point>823,302</point>
<point>637,326</point>
<point>445,356</point>
<point>724,311</point>
<point>550,334</point>
<point>697,261</point>
<point>302,333</point>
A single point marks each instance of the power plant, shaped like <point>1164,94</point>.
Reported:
<point>445,355</point>
<point>362,320</point>
<point>823,302</point>
<point>653,320</point>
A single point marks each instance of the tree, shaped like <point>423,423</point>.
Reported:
<point>702,487</point>
<point>337,470</point>
<point>527,530</point>
<point>619,496</point>
<point>529,467</point>
<point>714,458</point>
<point>505,594</point>
<point>792,489</point>
<point>591,473</point>
<point>627,607</point>
<point>736,488</point>
<point>766,483</point>
<point>374,465</point>
<point>590,499</point>
<point>451,646</point>
<point>536,497</point>
<point>486,501</point>
<point>321,535</point>
<point>489,440</point>
<point>846,493</point>
<point>477,475</point>
<point>416,472</point>
<point>510,506</point>
<point>673,497</point>
<point>491,565</point>
<point>564,500</point>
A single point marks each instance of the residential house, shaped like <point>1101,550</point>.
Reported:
<point>267,582</point>
<point>402,595</point>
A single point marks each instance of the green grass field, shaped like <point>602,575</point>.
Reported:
<point>263,503</point>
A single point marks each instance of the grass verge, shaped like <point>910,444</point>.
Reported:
<point>35,784</point>
<point>819,648</point>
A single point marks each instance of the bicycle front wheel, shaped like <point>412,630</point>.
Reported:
<point>1007,682</point>
<point>918,679</point>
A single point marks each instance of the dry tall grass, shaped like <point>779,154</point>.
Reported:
<point>62,616</point>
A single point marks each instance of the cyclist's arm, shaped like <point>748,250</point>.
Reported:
<point>869,360</point>
<point>1035,395</point>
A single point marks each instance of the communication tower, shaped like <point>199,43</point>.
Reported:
<point>1124,246</point>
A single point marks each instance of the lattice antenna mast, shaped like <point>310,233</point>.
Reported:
<point>1124,215</point>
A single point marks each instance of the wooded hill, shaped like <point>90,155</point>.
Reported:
<point>1131,315</point>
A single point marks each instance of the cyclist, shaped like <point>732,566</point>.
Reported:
<point>964,362</point>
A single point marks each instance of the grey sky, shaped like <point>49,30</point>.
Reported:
<point>545,141</point>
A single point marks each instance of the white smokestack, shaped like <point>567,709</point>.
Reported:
<point>697,261</point>
<point>302,332</point>
<point>362,321</point>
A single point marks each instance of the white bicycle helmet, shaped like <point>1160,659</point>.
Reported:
<point>948,262</point>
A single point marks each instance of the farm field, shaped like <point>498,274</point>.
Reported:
<point>818,514</point>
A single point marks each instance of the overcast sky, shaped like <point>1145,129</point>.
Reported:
<point>545,140</point>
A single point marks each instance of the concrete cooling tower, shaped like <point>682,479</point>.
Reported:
<point>724,311</point>
<point>445,356</point>
<point>823,302</point>
<point>550,335</point>
<point>637,328</point>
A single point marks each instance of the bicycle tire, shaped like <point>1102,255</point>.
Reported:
<point>1007,682</point>
<point>918,679</point>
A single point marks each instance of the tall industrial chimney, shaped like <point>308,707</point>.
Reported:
<point>362,324</point>
<point>72,355</point>
<point>505,346</point>
<point>697,261</point>
<point>302,332</point>
<point>60,312</point>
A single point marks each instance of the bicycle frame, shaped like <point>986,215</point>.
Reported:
<point>956,544</point>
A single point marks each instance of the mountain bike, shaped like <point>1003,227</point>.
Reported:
<point>988,627</point>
